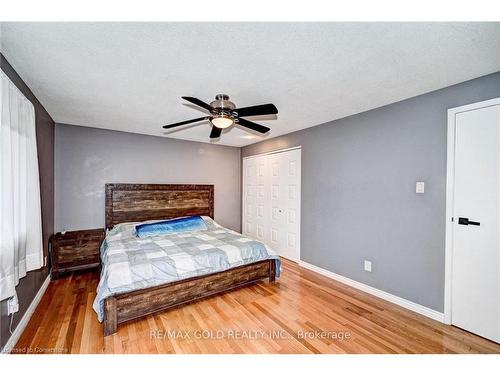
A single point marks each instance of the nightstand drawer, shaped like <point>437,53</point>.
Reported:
<point>71,256</point>
<point>76,250</point>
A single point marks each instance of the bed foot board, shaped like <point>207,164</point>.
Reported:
<point>133,305</point>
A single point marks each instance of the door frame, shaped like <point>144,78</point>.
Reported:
<point>273,152</point>
<point>450,188</point>
<point>300,196</point>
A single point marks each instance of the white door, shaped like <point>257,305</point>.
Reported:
<point>271,201</point>
<point>475,287</point>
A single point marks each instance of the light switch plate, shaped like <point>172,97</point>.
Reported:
<point>420,187</point>
<point>368,266</point>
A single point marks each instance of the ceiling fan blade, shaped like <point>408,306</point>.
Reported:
<point>198,102</point>
<point>257,110</point>
<point>216,132</point>
<point>252,125</point>
<point>184,122</point>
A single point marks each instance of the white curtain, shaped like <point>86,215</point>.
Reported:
<point>21,248</point>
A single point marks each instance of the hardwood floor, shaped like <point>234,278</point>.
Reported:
<point>302,312</point>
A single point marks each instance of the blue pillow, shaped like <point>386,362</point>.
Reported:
<point>184,224</point>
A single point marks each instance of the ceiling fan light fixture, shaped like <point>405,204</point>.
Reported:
<point>222,121</point>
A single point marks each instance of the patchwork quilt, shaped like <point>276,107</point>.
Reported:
<point>131,263</point>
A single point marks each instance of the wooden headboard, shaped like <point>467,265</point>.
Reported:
<point>140,202</point>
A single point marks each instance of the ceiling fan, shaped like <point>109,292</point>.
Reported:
<point>223,114</point>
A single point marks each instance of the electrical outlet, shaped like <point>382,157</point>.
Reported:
<point>368,266</point>
<point>12,305</point>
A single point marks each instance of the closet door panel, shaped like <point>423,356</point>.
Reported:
<point>271,201</point>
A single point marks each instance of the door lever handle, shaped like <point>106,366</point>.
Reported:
<point>466,221</point>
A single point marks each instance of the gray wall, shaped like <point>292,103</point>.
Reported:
<point>358,191</point>
<point>87,158</point>
<point>29,285</point>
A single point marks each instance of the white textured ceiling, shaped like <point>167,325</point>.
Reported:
<point>130,76</point>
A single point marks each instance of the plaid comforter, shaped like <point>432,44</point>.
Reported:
<point>132,263</point>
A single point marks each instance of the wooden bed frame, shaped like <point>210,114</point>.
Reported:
<point>140,202</point>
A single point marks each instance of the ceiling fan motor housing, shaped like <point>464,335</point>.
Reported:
<point>222,105</point>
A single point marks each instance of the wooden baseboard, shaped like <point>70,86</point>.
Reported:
<point>26,318</point>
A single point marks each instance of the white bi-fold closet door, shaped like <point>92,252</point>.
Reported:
<point>271,200</point>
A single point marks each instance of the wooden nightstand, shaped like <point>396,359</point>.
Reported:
<point>75,250</point>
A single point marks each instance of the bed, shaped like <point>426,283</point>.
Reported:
<point>142,276</point>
